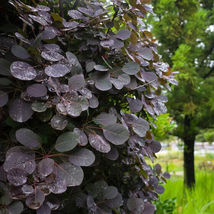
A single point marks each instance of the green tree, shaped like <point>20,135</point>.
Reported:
<point>184,30</point>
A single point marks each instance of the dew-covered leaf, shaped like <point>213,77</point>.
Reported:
<point>110,192</point>
<point>70,25</point>
<point>39,19</point>
<point>100,68</point>
<point>51,55</point>
<point>74,63</point>
<point>131,68</point>
<point>98,143</point>
<point>17,177</point>
<point>105,119</point>
<point>72,174</point>
<point>107,43</point>
<point>22,70</point>
<point>37,90</point>
<point>49,33</point>
<point>93,102</point>
<point>3,98</point>
<point>75,14</point>
<point>52,47</point>
<point>66,142</point>
<point>113,154</point>
<point>140,127</point>
<point>42,8</point>
<point>28,138</point>
<point>35,200</point>
<point>44,209</point>
<point>27,189</point>
<point>46,166</point>
<point>74,109</point>
<point>146,53</point>
<point>135,205</point>
<point>22,38</point>
<point>116,133</point>
<point>59,122</point>
<point>25,159</point>
<point>83,140</point>
<point>15,208</point>
<point>59,185</point>
<point>86,11</point>
<point>39,107</point>
<point>82,157</point>
<point>123,34</point>
<point>76,82</point>
<point>57,70</point>
<point>20,52</point>
<point>20,111</point>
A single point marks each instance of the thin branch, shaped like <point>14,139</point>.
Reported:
<point>209,73</point>
<point>75,4</point>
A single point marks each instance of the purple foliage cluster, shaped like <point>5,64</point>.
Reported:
<point>92,77</point>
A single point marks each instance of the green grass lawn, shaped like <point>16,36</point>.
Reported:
<point>198,201</point>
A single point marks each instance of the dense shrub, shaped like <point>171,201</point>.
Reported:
<point>76,92</point>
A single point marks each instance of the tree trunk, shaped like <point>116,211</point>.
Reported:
<point>189,142</point>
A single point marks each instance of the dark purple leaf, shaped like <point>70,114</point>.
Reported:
<point>82,157</point>
<point>146,53</point>
<point>57,70</point>
<point>22,70</point>
<point>20,111</point>
<point>93,102</point>
<point>66,142</point>
<point>155,146</point>
<point>74,14</point>
<point>102,81</point>
<point>19,52</point>
<point>5,198</point>
<point>123,34</point>
<point>27,189</point>
<point>107,43</point>
<point>51,56</point>
<point>25,159</point>
<point>115,202</point>
<point>113,154</point>
<point>22,38</point>
<point>39,19</point>
<point>52,47</point>
<point>86,11</point>
<point>74,63</point>
<point>166,175</point>
<point>110,192</point>
<point>3,98</point>
<point>35,200</point>
<point>70,25</point>
<point>131,68</point>
<point>83,140</point>
<point>98,143</point>
<point>49,33</point>
<point>42,8</point>
<point>76,82</point>
<point>59,122</point>
<point>140,127</point>
<point>16,208</point>
<point>39,107</point>
<point>100,68</point>
<point>135,205</point>
<point>105,119</point>
<point>45,167</point>
<point>118,44</point>
<point>17,177</point>
<point>37,90</point>
<point>116,133</point>
<point>89,66</point>
<point>73,175</point>
<point>135,105</point>
<point>160,189</point>
<point>28,138</point>
<point>44,209</point>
